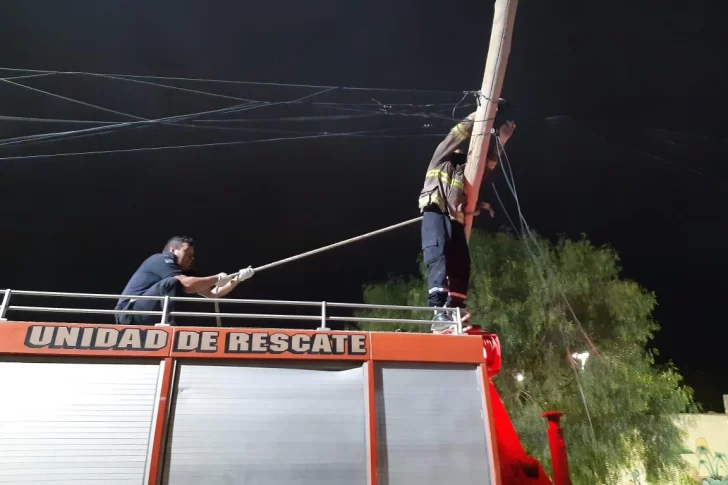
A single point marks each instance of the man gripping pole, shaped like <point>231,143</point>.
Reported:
<point>443,201</point>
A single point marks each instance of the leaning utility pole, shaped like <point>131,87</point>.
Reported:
<point>495,69</point>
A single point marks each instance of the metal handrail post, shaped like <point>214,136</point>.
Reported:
<point>5,304</point>
<point>323,317</point>
<point>458,321</point>
<point>165,313</point>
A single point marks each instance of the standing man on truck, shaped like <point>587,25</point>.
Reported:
<point>442,202</point>
<point>169,273</point>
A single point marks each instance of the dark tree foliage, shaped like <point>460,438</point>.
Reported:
<point>543,301</point>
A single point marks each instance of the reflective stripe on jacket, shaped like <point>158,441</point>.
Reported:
<point>445,184</point>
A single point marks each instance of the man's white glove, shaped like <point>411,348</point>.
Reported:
<point>244,274</point>
<point>224,278</point>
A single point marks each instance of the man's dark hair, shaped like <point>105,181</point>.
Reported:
<point>177,242</point>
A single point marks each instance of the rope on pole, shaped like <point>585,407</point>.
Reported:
<point>217,318</point>
<point>343,243</point>
<point>482,206</point>
<point>320,250</point>
<point>336,245</point>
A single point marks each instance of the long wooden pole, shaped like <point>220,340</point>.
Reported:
<point>495,69</point>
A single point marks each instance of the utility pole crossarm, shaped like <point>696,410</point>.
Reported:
<point>495,69</point>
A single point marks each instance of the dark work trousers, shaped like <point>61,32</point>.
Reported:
<point>169,286</point>
<point>445,252</point>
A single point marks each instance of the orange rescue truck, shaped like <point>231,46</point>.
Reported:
<point>104,404</point>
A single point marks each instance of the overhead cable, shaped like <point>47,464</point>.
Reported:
<point>54,120</point>
<point>539,269</point>
<point>27,76</point>
<point>510,181</point>
<point>170,119</point>
<point>83,103</point>
<point>223,81</point>
<point>365,133</point>
<point>195,91</point>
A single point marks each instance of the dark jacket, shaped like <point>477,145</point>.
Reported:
<point>445,183</point>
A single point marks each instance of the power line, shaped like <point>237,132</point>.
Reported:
<point>83,103</point>
<point>172,119</point>
<point>224,81</point>
<point>661,159</point>
<point>28,76</point>
<point>141,122</point>
<point>524,226</point>
<point>173,147</point>
<point>366,133</point>
<point>375,104</point>
<point>53,120</point>
<point>293,118</point>
<point>542,265</point>
<point>604,139</point>
<point>195,91</point>
<point>540,268</point>
<point>225,120</point>
<point>11,141</point>
<point>689,135</point>
<point>225,96</point>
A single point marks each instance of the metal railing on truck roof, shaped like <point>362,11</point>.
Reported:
<point>322,316</point>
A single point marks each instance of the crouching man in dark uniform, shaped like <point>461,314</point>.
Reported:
<point>169,274</point>
<point>443,201</point>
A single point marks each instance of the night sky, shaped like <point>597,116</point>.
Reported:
<point>621,137</point>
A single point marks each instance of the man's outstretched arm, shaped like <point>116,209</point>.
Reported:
<point>196,284</point>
